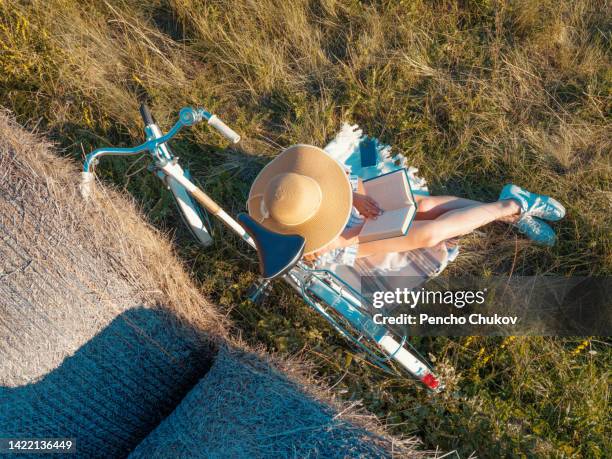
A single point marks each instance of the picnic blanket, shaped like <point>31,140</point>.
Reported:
<point>417,265</point>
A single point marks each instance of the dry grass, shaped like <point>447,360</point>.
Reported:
<point>476,94</point>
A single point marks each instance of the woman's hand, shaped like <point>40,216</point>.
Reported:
<point>366,206</point>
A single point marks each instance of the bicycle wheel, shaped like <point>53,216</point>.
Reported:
<point>342,306</point>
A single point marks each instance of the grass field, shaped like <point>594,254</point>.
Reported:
<point>474,93</point>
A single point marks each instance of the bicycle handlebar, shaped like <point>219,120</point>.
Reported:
<point>224,129</point>
<point>188,116</point>
<point>86,185</point>
<point>146,114</point>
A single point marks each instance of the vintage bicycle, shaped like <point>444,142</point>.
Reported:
<point>280,255</point>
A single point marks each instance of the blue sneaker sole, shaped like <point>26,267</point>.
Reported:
<point>553,202</point>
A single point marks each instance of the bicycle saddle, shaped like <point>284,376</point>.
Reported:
<point>277,252</point>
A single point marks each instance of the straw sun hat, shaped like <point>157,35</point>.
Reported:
<point>303,191</point>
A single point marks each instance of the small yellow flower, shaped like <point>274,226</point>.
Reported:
<point>507,341</point>
<point>581,346</point>
<point>87,117</point>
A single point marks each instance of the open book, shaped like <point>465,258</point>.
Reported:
<point>394,196</point>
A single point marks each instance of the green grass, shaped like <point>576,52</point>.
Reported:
<point>475,94</point>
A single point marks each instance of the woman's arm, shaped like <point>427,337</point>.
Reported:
<point>367,207</point>
<point>346,239</point>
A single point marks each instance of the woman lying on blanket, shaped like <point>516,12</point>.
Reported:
<point>304,191</point>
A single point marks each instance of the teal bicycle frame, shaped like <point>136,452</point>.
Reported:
<point>340,304</point>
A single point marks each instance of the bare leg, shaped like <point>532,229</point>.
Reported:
<point>431,207</point>
<point>457,222</point>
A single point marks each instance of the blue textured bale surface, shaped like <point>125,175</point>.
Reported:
<point>112,392</point>
<point>245,408</point>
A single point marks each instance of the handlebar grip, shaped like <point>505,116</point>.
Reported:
<point>224,129</point>
<point>85,187</point>
<point>145,112</point>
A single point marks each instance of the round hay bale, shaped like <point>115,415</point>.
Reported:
<point>244,407</point>
<point>101,330</point>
